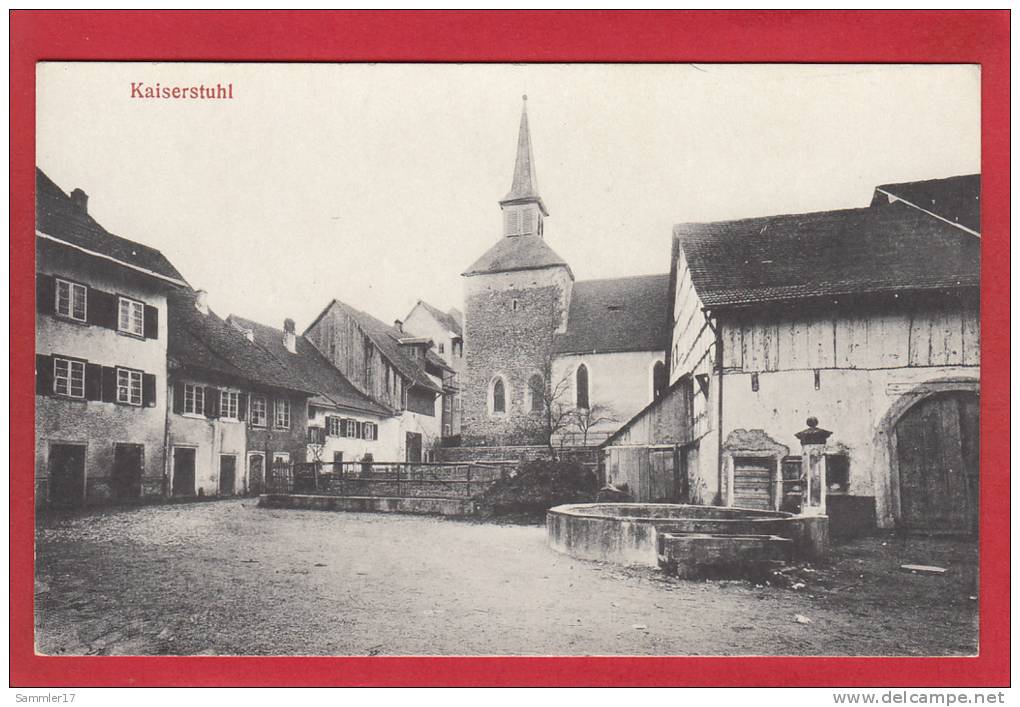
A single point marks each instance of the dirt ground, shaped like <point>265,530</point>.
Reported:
<point>228,578</point>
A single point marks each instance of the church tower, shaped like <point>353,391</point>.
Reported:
<point>516,299</point>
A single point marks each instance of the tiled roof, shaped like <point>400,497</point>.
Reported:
<point>447,319</point>
<point>516,253</point>
<point>56,216</point>
<point>621,314</point>
<point>386,338</point>
<point>797,256</point>
<point>956,199</point>
<point>311,367</point>
<point>206,342</point>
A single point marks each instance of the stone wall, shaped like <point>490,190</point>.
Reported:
<point>588,456</point>
<point>510,320</point>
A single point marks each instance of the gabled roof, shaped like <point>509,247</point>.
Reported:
<point>446,319</point>
<point>620,314</point>
<point>797,256</point>
<point>516,253</point>
<point>955,199</point>
<point>311,367</point>
<point>387,339</point>
<point>207,343</point>
<point>58,219</point>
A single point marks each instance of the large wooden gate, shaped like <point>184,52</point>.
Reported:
<point>937,449</point>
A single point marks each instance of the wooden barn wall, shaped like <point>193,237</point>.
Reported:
<point>946,334</point>
<point>339,337</point>
<point>693,340</point>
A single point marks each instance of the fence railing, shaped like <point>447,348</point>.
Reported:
<point>434,480</point>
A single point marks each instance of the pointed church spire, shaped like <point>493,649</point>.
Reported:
<point>525,185</point>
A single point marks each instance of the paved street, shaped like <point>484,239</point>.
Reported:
<point>227,578</point>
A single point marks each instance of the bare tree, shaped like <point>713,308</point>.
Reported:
<point>585,419</point>
<point>551,404</point>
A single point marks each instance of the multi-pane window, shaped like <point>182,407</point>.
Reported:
<point>333,426</point>
<point>194,399</point>
<point>129,386</point>
<point>131,319</point>
<point>352,428</point>
<point>259,411</point>
<point>70,300</point>
<point>281,418</point>
<point>230,401</point>
<point>69,377</point>
<point>371,431</point>
<point>441,348</point>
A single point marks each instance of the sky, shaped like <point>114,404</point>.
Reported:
<point>378,184</point>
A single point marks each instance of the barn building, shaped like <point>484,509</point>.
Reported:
<point>866,319</point>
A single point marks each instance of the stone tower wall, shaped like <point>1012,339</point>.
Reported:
<point>510,319</point>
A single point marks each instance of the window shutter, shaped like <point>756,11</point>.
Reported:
<point>360,430</point>
<point>102,309</point>
<point>109,385</point>
<point>151,323</point>
<point>178,397</point>
<point>93,381</point>
<point>43,375</point>
<point>242,406</point>
<point>148,390</point>
<point>212,402</point>
<point>45,294</point>
<point>343,427</point>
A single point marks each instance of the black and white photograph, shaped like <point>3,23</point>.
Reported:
<point>507,359</point>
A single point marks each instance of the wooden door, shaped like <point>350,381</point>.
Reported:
<point>937,449</point>
<point>228,474</point>
<point>413,448</point>
<point>256,473</point>
<point>184,471</point>
<point>128,462</point>
<point>752,482</point>
<point>662,476</point>
<point>67,475</point>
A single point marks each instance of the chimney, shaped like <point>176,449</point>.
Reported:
<point>80,200</point>
<point>398,325</point>
<point>289,335</point>
<point>202,301</point>
<point>249,334</point>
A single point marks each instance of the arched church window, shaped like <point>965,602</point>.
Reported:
<point>581,387</point>
<point>659,382</point>
<point>536,387</point>
<point>498,396</point>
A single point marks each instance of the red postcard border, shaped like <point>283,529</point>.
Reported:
<point>980,37</point>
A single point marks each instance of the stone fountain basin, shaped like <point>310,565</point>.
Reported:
<point>626,533</point>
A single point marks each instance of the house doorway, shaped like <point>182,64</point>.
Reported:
<point>128,462</point>
<point>413,448</point>
<point>937,448</point>
<point>184,471</point>
<point>228,474</point>
<point>256,473</point>
<point>67,475</point>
